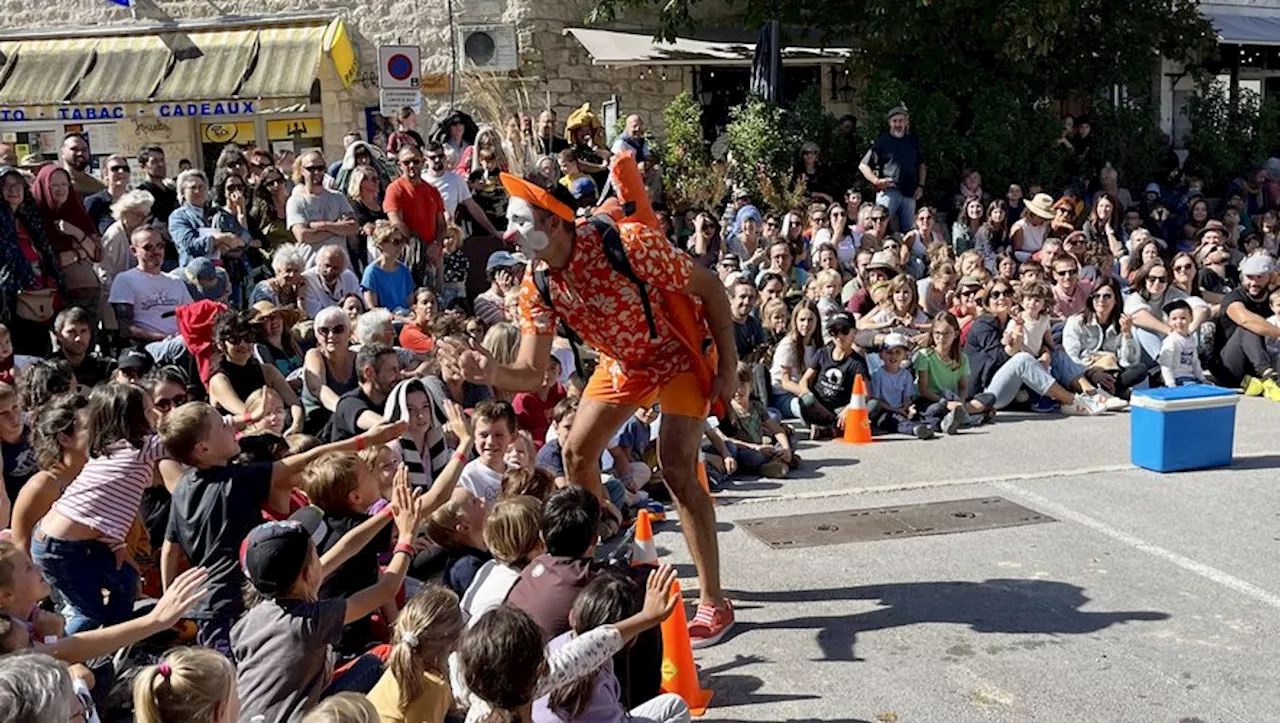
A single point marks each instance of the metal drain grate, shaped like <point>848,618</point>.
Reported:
<point>889,523</point>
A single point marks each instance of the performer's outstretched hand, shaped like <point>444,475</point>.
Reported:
<point>465,360</point>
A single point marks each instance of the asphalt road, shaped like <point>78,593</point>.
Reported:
<point>1150,598</point>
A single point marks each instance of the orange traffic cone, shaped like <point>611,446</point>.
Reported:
<point>679,675</point>
<point>857,422</point>
<point>643,551</point>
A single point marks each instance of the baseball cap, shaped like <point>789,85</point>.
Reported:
<point>1175,305</point>
<point>500,260</point>
<point>134,359</point>
<point>1152,188</point>
<point>894,341</point>
<point>274,554</point>
<point>1257,265</point>
<point>202,269</point>
<point>840,322</point>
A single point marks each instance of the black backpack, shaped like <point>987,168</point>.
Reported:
<point>616,252</point>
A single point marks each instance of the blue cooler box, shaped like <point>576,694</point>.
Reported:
<point>1191,427</point>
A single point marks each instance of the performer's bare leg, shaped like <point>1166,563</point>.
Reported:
<point>594,425</point>
<point>679,440</point>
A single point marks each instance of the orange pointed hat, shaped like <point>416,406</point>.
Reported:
<point>535,195</point>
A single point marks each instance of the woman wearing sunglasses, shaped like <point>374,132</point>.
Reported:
<point>1000,367</point>
<point>329,370</point>
<point>1101,337</point>
<point>1149,291</point>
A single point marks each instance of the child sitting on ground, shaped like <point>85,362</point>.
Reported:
<point>387,282</point>
<point>607,600</point>
<point>506,668</point>
<point>891,395</point>
<point>1179,361</point>
<point>187,685</point>
<point>494,424</point>
<point>415,686</point>
<point>1032,323</point>
<point>521,454</point>
<point>828,382</point>
<point>512,535</point>
<point>282,644</point>
<point>458,528</point>
<point>551,456</point>
<point>266,406</point>
<point>630,463</point>
<point>758,443</point>
<point>216,504</point>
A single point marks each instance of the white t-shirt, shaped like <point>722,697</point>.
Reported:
<point>1032,333</point>
<point>317,296</point>
<point>1178,359</point>
<point>154,298</point>
<point>481,481</point>
<point>488,590</point>
<point>453,189</point>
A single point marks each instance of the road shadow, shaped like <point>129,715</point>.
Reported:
<point>1270,461</point>
<point>814,468</point>
<point>993,606</point>
<point>741,690</point>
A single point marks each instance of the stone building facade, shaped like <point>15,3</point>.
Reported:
<point>551,68</point>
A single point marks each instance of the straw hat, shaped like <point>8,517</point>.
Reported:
<point>1041,205</point>
<point>265,308</point>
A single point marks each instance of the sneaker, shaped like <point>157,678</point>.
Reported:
<point>955,420</point>
<point>1045,405</point>
<point>1084,407</point>
<point>1271,390</point>
<point>1252,387</point>
<point>774,469</point>
<point>1110,401</point>
<point>922,431</point>
<point>710,624</point>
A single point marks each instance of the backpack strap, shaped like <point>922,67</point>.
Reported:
<point>616,252</point>
<point>541,283</point>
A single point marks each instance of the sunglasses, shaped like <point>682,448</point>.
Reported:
<point>273,182</point>
<point>234,187</point>
<point>435,157</point>
<point>411,162</point>
<point>159,246</point>
<point>316,169</point>
<point>330,330</point>
<point>118,169</point>
<point>166,405</point>
<point>1066,272</point>
<point>1000,294</point>
<point>1184,267</point>
<point>1158,279</point>
<point>238,340</point>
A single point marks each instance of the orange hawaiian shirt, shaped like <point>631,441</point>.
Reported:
<point>603,307</point>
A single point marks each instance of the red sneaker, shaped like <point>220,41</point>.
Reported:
<point>710,624</point>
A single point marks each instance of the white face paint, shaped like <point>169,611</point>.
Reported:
<point>521,230</point>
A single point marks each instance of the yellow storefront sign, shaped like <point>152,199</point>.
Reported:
<point>241,133</point>
<point>337,43</point>
<point>294,128</point>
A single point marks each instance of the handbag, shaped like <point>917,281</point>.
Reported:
<point>35,306</point>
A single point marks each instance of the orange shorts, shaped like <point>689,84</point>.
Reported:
<point>682,395</point>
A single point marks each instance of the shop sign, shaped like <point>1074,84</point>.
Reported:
<point>221,133</point>
<point>294,128</point>
<point>206,108</point>
<point>65,113</point>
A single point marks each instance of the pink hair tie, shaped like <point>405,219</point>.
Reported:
<point>164,670</point>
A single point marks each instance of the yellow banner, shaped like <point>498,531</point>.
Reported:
<point>241,133</point>
<point>294,128</point>
<point>337,43</point>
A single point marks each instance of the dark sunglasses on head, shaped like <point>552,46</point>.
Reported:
<point>166,405</point>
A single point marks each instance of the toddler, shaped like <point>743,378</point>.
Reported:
<point>891,404</point>
<point>828,284</point>
<point>456,267</point>
<point>1178,358</point>
<point>1032,322</point>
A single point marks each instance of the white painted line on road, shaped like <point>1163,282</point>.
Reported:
<point>921,485</point>
<point>1212,574</point>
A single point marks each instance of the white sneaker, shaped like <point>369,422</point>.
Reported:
<point>1110,401</point>
<point>1084,406</point>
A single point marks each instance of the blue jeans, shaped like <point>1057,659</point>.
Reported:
<point>900,207</point>
<point>359,678</point>
<point>1021,369</point>
<point>1063,368</point>
<point>81,570</point>
<point>787,404</point>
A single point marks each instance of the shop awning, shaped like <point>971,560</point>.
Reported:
<point>624,49</point>
<point>286,63</point>
<point>45,71</point>
<point>124,70</point>
<point>273,62</point>
<point>207,65</point>
<point>1244,24</point>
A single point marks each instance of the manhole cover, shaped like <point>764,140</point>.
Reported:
<point>891,523</point>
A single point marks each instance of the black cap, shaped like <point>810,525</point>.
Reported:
<point>840,323</point>
<point>134,359</point>
<point>274,554</point>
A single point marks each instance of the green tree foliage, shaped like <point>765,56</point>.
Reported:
<point>690,179</point>
<point>1224,142</point>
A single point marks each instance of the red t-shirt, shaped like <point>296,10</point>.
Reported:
<point>415,339</point>
<point>419,204</point>
<point>533,415</point>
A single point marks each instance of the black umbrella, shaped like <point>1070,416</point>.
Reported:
<point>766,65</point>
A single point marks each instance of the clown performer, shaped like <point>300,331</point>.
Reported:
<point>666,339</point>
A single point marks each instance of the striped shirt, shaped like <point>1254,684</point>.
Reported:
<point>107,493</point>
